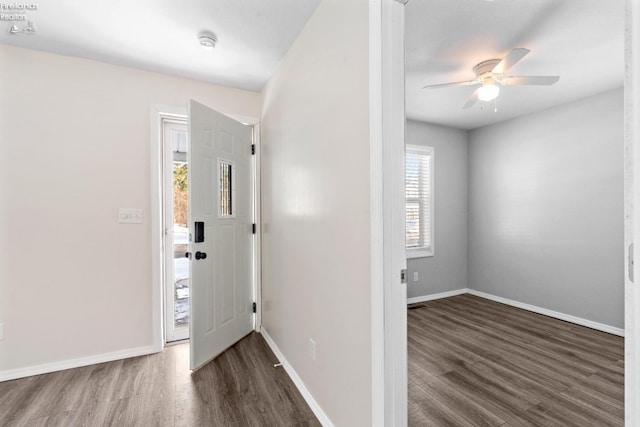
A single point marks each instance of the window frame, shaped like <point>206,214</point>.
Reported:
<point>424,251</point>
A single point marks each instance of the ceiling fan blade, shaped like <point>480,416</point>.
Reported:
<point>510,60</point>
<point>465,83</point>
<point>529,80</point>
<point>472,100</point>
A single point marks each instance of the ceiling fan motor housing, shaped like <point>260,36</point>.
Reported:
<point>484,69</point>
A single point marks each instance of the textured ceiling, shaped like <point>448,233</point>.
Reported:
<point>582,41</point>
<point>160,35</point>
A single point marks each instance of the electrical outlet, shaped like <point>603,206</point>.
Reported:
<point>312,349</point>
<point>1,331</point>
<point>415,276</point>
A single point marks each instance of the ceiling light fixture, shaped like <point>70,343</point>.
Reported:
<point>207,40</point>
<point>491,73</point>
<point>488,92</point>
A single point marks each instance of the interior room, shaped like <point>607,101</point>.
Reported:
<point>82,86</point>
<point>280,295</point>
<point>527,210</point>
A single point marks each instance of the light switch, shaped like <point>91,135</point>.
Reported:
<point>130,216</point>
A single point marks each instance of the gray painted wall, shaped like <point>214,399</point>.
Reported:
<point>447,269</point>
<point>546,209</point>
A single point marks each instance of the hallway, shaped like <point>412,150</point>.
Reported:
<point>239,388</point>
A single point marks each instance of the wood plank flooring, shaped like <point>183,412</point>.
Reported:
<point>239,388</point>
<point>475,362</point>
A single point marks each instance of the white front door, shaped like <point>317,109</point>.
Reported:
<point>220,225</point>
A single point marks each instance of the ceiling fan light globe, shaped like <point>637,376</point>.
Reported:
<point>488,92</point>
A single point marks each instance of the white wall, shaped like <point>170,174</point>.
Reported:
<point>74,136</point>
<point>447,269</point>
<point>315,206</point>
<point>546,209</point>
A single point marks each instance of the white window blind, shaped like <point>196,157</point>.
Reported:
<point>419,201</point>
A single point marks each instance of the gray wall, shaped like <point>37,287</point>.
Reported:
<point>447,269</point>
<point>546,209</point>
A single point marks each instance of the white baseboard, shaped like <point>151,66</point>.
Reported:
<point>447,294</point>
<point>12,374</point>
<point>311,401</point>
<point>555,314</point>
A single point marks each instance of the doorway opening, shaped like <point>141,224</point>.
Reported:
<point>487,238</point>
<point>176,233</point>
<point>205,261</point>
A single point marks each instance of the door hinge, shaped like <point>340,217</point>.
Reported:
<point>254,307</point>
<point>403,276</point>
<point>253,148</point>
<point>253,228</point>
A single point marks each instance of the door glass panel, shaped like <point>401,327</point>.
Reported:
<point>225,174</point>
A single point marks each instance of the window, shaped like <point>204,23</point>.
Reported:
<point>226,189</point>
<point>419,201</point>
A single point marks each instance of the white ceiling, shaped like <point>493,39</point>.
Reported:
<point>582,41</point>
<point>161,35</point>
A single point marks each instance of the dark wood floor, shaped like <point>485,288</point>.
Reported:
<point>475,362</point>
<point>239,388</point>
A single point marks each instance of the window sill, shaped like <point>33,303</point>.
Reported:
<point>422,253</point>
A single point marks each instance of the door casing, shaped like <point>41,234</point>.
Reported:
<point>632,211</point>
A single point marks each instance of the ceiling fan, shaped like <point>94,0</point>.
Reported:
<point>489,73</point>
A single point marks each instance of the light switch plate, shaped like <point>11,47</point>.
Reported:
<point>129,216</point>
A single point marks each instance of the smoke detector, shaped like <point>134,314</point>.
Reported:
<point>207,40</point>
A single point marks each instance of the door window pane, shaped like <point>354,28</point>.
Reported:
<point>225,175</point>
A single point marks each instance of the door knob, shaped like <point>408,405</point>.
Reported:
<point>201,255</point>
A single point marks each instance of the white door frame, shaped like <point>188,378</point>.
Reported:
<point>388,255</point>
<point>257,243</point>
<point>632,211</point>
<point>157,225</point>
